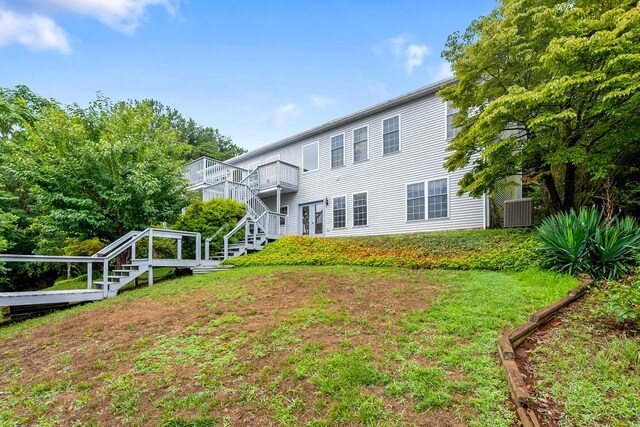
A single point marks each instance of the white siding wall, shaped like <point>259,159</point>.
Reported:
<point>421,157</point>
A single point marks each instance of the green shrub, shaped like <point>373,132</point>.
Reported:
<point>584,242</point>
<point>207,217</point>
<point>624,300</point>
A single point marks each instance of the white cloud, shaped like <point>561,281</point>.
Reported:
<point>414,55</point>
<point>410,55</point>
<point>34,31</point>
<point>321,101</point>
<point>121,15</point>
<point>280,115</point>
<point>440,73</point>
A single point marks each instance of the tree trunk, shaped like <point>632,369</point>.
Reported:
<point>550,185</point>
<point>569,187</point>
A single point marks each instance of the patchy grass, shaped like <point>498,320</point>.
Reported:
<point>316,346</point>
<point>588,369</point>
<point>498,250</point>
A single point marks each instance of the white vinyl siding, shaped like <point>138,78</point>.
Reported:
<point>253,165</point>
<point>272,159</point>
<point>451,131</point>
<point>421,157</point>
<point>337,150</point>
<point>361,144</point>
<point>340,212</point>
<point>310,157</point>
<point>360,209</point>
<point>438,198</point>
<point>415,201</point>
<point>391,135</point>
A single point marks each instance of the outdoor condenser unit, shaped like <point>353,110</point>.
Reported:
<point>518,213</point>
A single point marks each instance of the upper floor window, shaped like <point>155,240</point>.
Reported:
<point>391,135</point>
<point>360,144</point>
<point>360,209</point>
<point>310,157</point>
<point>340,212</point>
<point>438,198</point>
<point>415,201</point>
<point>337,150</point>
<point>451,131</point>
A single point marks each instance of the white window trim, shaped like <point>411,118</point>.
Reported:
<point>287,216</point>
<point>318,153</point>
<point>353,205</point>
<point>446,129</point>
<point>346,211</point>
<point>353,143</point>
<point>344,150</point>
<point>399,133</point>
<point>406,211</point>
<point>426,199</point>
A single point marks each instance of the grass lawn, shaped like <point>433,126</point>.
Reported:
<point>315,346</point>
<point>587,369</point>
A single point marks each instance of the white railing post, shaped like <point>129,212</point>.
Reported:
<point>179,247</point>
<point>206,249</point>
<point>150,259</point>
<point>225,255</point>
<point>105,277</point>
<point>133,251</point>
<point>89,275</point>
<point>198,249</point>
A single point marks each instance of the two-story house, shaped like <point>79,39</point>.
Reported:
<point>376,171</point>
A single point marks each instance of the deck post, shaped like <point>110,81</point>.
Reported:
<point>133,251</point>
<point>179,250</point>
<point>89,275</point>
<point>198,248</point>
<point>105,278</point>
<point>150,259</point>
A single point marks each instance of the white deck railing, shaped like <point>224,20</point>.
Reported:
<point>207,171</point>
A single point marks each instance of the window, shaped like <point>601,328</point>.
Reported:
<point>438,200</point>
<point>359,209</point>
<point>360,144</point>
<point>391,135</point>
<point>451,131</point>
<point>415,201</point>
<point>310,157</point>
<point>337,150</point>
<point>284,210</point>
<point>340,212</point>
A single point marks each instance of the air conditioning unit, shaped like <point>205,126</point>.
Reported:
<point>518,213</point>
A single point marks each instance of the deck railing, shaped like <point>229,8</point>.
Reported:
<point>272,175</point>
<point>207,171</point>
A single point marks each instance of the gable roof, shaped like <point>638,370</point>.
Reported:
<point>391,103</point>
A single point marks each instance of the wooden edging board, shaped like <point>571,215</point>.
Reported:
<point>512,339</point>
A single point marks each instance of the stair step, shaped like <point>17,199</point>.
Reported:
<point>131,266</point>
<point>122,273</point>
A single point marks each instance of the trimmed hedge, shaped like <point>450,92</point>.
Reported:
<point>513,253</point>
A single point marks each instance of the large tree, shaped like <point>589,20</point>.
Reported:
<point>204,140</point>
<point>100,171</point>
<point>550,89</point>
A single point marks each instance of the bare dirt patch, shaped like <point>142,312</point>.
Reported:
<point>204,354</point>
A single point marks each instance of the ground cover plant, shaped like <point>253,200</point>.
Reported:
<point>587,368</point>
<point>498,250</point>
<point>316,346</point>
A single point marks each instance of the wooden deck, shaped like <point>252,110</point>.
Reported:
<point>50,297</point>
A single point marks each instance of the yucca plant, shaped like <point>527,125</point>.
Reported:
<point>584,242</point>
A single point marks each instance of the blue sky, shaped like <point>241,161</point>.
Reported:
<point>257,70</point>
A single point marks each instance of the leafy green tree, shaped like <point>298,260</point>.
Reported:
<point>204,141</point>
<point>548,88</point>
<point>101,171</point>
